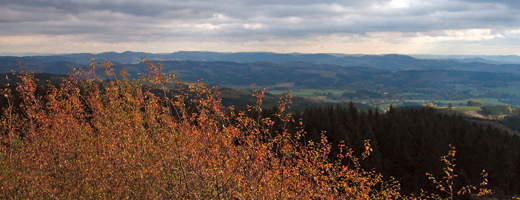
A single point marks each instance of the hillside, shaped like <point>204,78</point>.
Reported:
<point>393,62</point>
<point>302,74</point>
<point>334,82</point>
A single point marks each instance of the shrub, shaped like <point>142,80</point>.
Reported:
<point>114,139</point>
<point>90,138</point>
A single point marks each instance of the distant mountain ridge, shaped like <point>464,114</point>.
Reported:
<point>301,74</point>
<point>393,62</point>
<point>492,59</point>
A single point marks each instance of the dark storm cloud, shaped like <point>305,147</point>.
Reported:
<point>125,20</point>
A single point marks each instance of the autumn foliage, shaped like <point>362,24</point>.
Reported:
<point>114,139</point>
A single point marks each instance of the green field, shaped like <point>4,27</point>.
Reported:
<point>487,101</point>
<point>466,108</point>
<point>308,92</point>
<point>507,90</point>
<point>409,94</point>
<point>514,88</point>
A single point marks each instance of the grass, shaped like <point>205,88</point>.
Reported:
<point>466,108</point>
<point>513,89</point>
<point>409,94</point>
<point>284,85</point>
<point>308,92</point>
<point>506,90</point>
<point>487,101</point>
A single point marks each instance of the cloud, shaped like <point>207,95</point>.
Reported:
<point>250,21</point>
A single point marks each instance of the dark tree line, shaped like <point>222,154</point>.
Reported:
<point>497,110</point>
<point>408,143</point>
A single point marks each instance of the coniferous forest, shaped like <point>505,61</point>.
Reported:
<point>407,143</point>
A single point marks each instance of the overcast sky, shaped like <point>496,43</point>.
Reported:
<point>460,27</point>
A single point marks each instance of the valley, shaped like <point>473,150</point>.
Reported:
<point>317,76</point>
<point>408,114</point>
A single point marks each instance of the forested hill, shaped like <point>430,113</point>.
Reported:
<point>391,62</point>
<point>296,74</point>
<point>229,96</point>
<point>307,75</point>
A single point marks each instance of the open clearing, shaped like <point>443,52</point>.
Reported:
<point>487,101</point>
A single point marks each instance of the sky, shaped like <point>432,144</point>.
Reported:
<point>442,27</point>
